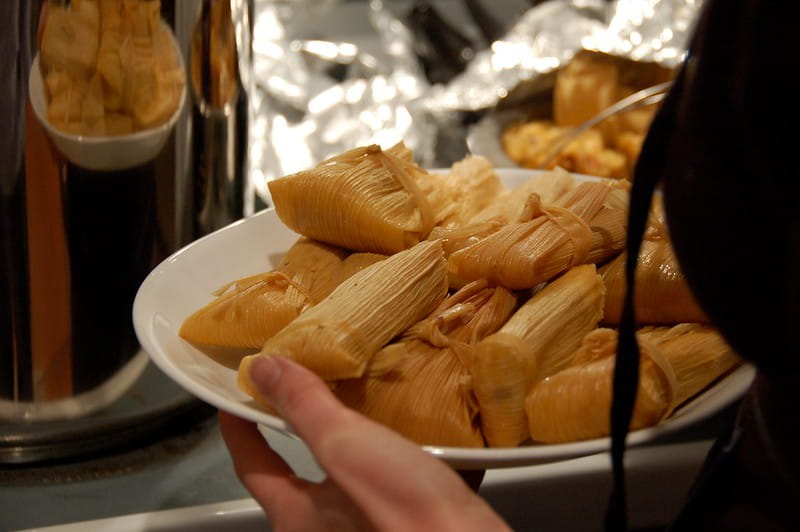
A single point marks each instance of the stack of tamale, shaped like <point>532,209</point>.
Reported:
<point>460,312</point>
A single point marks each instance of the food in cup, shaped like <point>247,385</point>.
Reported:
<point>110,67</point>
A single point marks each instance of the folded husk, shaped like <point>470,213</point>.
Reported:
<point>511,205</point>
<point>367,199</point>
<point>603,205</point>
<point>337,337</point>
<point>425,398</point>
<point>250,310</point>
<point>426,395</point>
<point>537,341</point>
<point>697,354</point>
<point>662,294</point>
<point>574,404</point>
<point>522,255</point>
<point>470,186</point>
<point>589,225</point>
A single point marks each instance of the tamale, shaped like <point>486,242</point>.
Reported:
<point>426,395</point>
<point>522,255</point>
<point>70,39</point>
<point>697,354</point>
<point>93,115</point>
<point>603,205</point>
<point>510,206</point>
<point>589,225</point>
<point>425,398</point>
<point>662,294</point>
<point>469,187</point>
<point>519,204</point>
<point>109,64</point>
<point>366,199</point>
<point>609,225</point>
<point>537,341</point>
<point>574,404</point>
<point>338,337</point>
<point>249,311</point>
<point>65,101</point>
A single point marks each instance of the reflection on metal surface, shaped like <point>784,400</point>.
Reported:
<point>154,408</point>
<point>331,75</point>
<point>219,122</point>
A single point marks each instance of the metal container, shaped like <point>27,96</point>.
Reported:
<point>75,244</point>
<point>215,193</point>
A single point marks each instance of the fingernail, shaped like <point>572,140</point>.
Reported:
<point>265,372</point>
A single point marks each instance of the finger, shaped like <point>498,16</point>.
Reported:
<point>262,471</point>
<point>383,472</point>
<point>289,502</point>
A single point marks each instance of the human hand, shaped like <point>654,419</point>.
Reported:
<point>376,479</point>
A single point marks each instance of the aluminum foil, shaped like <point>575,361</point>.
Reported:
<point>323,77</point>
<point>548,36</point>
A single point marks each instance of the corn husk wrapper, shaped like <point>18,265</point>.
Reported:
<point>511,205</point>
<point>608,222</point>
<point>574,404</point>
<point>70,39</point>
<point>588,226</point>
<point>521,255</point>
<point>537,341</point>
<point>677,363</point>
<point>603,205</point>
<point>697,354</point>
<point>469,187</point>
<point>338,337</point>
<point>366,199</point>
<point>427,395</point>
<point>662,294</point>
<point>520,204</point>
<point>248,311</point>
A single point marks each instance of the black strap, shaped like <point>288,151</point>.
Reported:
<point>647,176</point>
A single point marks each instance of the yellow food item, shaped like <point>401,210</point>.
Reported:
<point>367,199</point>
<point>338,337</point>
<point>517,205</point>
<point>697,354</point>
<point>603,205</point>
<point>70,39</point>
<point>537,341</point>
<point>371,199</point>
<point>587,84</point>
<point>426,394</point>
<point>529,144</point>
<point>249,311</point>
<point>514,205</point>
<point>662,295</point>
<point>574,404</point>
<point>588,226</point>
<point>476,362</point>
<point>676,363</point>
<point>469,188</point>
<point>110,67</point>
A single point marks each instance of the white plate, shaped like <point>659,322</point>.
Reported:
<point>185,281</point>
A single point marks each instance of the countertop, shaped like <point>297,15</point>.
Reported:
<point>186,480</point>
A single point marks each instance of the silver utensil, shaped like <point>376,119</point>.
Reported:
<point>647,96</point>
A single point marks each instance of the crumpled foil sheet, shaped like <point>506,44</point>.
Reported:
<point>546,37</point>
<point>326,76</point>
